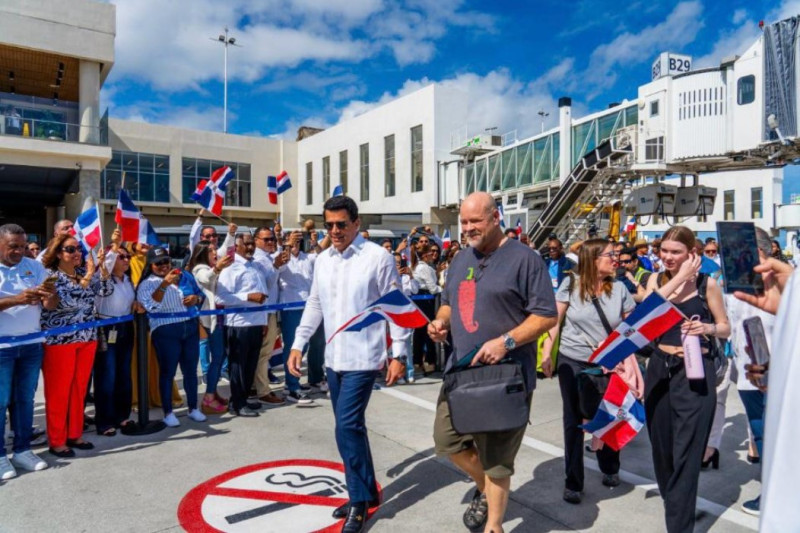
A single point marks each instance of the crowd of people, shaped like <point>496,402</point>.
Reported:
<point>546,309</point>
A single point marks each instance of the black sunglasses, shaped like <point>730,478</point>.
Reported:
<point>124,257</point>
<point>339,224</point>
<point>69,249</point>
<point>268,239</point>
<point>625,261</point>
<point>162,262</point>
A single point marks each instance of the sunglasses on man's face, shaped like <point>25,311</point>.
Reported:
<point>124,257</point>
<point>267,239</point>
<point>711,250</point>
<point>338,224</point>
<point>69,249</point>
<point>625,261</point>
<point>162,262</point>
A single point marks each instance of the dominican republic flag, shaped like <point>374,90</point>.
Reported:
<point>284,183</point>
<point>87,229</point>
<point>619,417</point>
<point>519,227</point>
<point>630,225</point>
<point>393,306</point>
<point>502,216</point>
<point>338,191</point>
<point>272,190</point>
<point>134,226</point>
<point>211,193</point>
<point>446,239</point>
<point>651,318</point>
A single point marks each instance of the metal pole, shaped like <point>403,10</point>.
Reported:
<point>225,90</point>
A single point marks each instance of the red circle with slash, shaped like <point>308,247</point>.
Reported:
<point>298,494</point>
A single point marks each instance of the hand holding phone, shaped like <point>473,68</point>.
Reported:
<point>231,252</point>
<point>757,347</point>
<point>739,252</point>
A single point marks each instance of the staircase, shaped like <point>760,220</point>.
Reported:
<point>594,182</point>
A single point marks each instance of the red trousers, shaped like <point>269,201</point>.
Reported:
<point>66,369</point>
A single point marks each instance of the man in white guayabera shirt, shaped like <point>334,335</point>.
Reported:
<point>348,277</point>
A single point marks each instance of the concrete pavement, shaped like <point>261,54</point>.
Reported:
<point>137,483</point>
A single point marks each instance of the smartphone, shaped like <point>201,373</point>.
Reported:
<point>739,253</point>
<point>756,340</point>
<point>50,280</point>
<point>231,252</point>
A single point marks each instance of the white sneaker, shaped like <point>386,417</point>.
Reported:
<point>6,469</point>
<point>171,420</point>
<point>411,379</point>
<point>197,416</point>
<point>28,460</point>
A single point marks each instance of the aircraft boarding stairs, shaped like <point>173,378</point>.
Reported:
<point>594,182</point>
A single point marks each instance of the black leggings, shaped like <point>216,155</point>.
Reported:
<point>424,347</point>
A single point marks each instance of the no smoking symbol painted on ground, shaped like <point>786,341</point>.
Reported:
<point>295,495</point>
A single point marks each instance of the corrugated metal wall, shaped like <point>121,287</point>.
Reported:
<point>700,106</point>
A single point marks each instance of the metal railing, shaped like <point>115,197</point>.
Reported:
<point>48,129</point>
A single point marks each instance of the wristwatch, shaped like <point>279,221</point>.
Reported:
<point>509,342</point>
<point>403,359</point>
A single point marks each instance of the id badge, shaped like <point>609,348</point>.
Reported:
<point>112,336</point>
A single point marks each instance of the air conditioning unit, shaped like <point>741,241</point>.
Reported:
<point>625,137</point>
<point>697,200</point>
<point>655,199</point>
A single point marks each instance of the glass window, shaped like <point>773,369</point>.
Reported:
<point>654,108</point>
<point>343,170</point>
<point>388,165</point>
<point>542,160</point>
<point>555,143</point>
<point>138,170</point>
<point>494,173</point>
<point>481,171</point>
<point>607,125</point>
<point>631,115</point>
<point>326,177</point>
<point>416,159</point>
<point>746,90</point>
<point>237,191</point>
<point>469,178</point>
<point>364,152</point>
<point>728,205</point>
<point>580,141</point>
<point>162,187</point>
<point>509,169</point>
<point>756,207</point>
<point>524,166</point>
<point>309,183</point>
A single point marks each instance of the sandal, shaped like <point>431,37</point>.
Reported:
<point>110,432</point>
<point>476,514</point>
<point>129,427</point>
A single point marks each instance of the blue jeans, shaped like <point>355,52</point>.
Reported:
<point>350,392</point>
<point>177,344</point>
<point>755,403</point>
<point>206,355</point>
<point>19,374</point>
<point>113,388</point>
<point>215,345</point>
<point>289,322</point>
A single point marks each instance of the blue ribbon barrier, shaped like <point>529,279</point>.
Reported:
<point>39,336</point>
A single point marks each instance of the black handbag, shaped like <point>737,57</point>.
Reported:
<point>486,398</point>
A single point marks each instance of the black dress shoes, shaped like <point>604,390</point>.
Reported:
<point>85,445</point>
<point>63,453</point>
<point>356,518</point>
<point>341,511</point>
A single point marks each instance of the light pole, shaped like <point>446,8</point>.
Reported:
<point>225,40</point>
<point>544,115</point>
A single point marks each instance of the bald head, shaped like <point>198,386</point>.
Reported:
<point>480,221</point>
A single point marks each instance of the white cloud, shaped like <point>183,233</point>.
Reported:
<point>195,117</point>
<point>739,16</point>
<point>629,49</point>
<point>173,46</point>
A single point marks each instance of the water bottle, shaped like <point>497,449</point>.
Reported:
<point>692,355</point>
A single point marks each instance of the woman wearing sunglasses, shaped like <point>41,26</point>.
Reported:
<point>68,357</point>
<point>113,389</point>
<point>206,266</point>
<point>164,289</point>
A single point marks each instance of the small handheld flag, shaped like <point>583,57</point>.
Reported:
<point>134,226</point>
<point>619,417</point>
<point>338,191</point>
<point>446,239</point>
<point>393,306</point>
<point>518,229</point>
<point>630,225</point>
<point>272,190</point>
<point>87,229</point>
<point>502,216</point>
<point>284,183</point>
<point>211,194</point>
<point>651,319</point>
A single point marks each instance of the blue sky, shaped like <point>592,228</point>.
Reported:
<point>316,62</point>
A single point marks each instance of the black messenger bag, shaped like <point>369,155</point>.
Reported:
<point>486,398</point>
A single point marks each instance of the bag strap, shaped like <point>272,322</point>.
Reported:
<point>603,318</point>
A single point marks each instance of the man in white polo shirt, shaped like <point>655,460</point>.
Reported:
<point>348,277</point>
<point>24,289</point>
